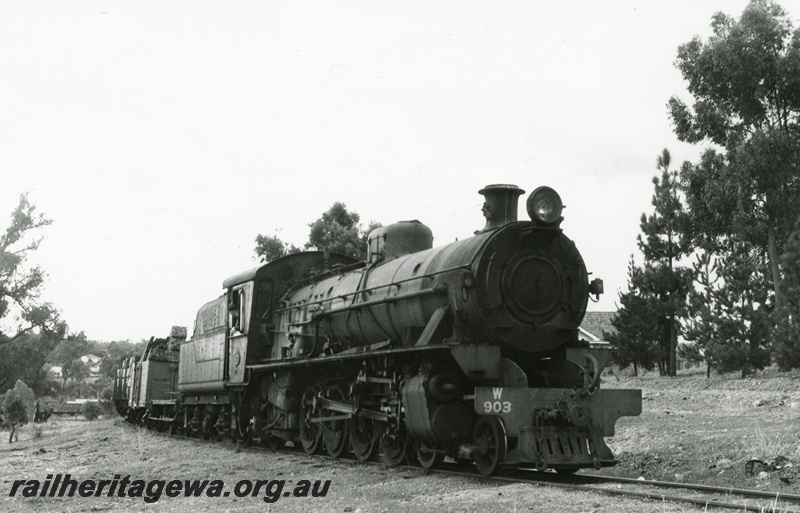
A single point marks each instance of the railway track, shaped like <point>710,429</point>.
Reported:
<point>704,496</point>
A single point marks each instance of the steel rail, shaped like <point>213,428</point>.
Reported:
<point>695,487</point>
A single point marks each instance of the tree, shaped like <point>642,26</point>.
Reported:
<point>20,284</point>
<point>691,352</point>
<point>24,358</point>
<point>721,224</point>
<point>700,323</point>
<point>78,372</point>
<point>746,84</point>
<point>67,354</point>
<point>272,248</point>
<point>786,332</point>
<point>635,340</point>
<point>712,202</point>
<point>741,314</point>
<point>18,406</point>
<point>338,230</point>
<point>663,245</point>
<point>114,353</point>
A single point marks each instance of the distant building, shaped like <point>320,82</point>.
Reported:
<point>91,359</point>
<point>594,325</point>
<point>56,372</point>
<point>93,362</point>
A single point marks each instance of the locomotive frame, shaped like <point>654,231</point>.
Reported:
<point>468,350</point>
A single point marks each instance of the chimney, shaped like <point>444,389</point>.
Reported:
<point>500,207</point>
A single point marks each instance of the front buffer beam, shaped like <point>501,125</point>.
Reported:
<point>557,427</point>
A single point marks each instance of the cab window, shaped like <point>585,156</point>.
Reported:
<point>236,311</point>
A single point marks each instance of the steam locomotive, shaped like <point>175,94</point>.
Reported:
<point>468,350</point>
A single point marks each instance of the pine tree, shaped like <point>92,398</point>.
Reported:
<point>663,244</point>
<point>786,332</point>
<point>700,323</point>
<point>742,311</point>
<point>635,342</point>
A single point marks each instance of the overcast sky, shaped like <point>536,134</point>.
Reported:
<point>162,137</point>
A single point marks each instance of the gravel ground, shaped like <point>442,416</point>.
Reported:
<point>101,449</point>
<point>692,429</point>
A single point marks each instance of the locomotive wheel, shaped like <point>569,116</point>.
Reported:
<point>275,442</point>
<point>490,443</point>
<point>363,438</point>
<point>311,432</point>
<point>335,432</point>
<point>195,428</point>
<point>247,439</point>
<point>394,445</point>
<point>205,430</point>
<point>426,455</point>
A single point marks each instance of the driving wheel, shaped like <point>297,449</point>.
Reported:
<point>310,431</point>
<point>334,432</point>
<point>394,445</point>
<point>363,438</point>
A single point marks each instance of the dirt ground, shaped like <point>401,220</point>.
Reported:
<point>703,430</point>
<point>692,429</point>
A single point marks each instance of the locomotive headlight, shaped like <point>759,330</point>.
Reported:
<point>544,206</point>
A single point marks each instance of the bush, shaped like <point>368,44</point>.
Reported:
<point>91,411</point>
<point>107,394</point>
<point>15,415</point>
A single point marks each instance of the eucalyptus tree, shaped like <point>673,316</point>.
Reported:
<point>337,230</point>
<point>21,308</point>
<point>745,81</point>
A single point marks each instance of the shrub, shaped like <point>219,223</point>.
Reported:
<point>107,407</point>
<point>15,415</point>
<point>91,411</point>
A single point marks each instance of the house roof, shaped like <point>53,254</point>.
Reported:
<point>595,323</point>
<point>90,358</point>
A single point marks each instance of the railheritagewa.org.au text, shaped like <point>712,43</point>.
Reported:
<point>64,485</point>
